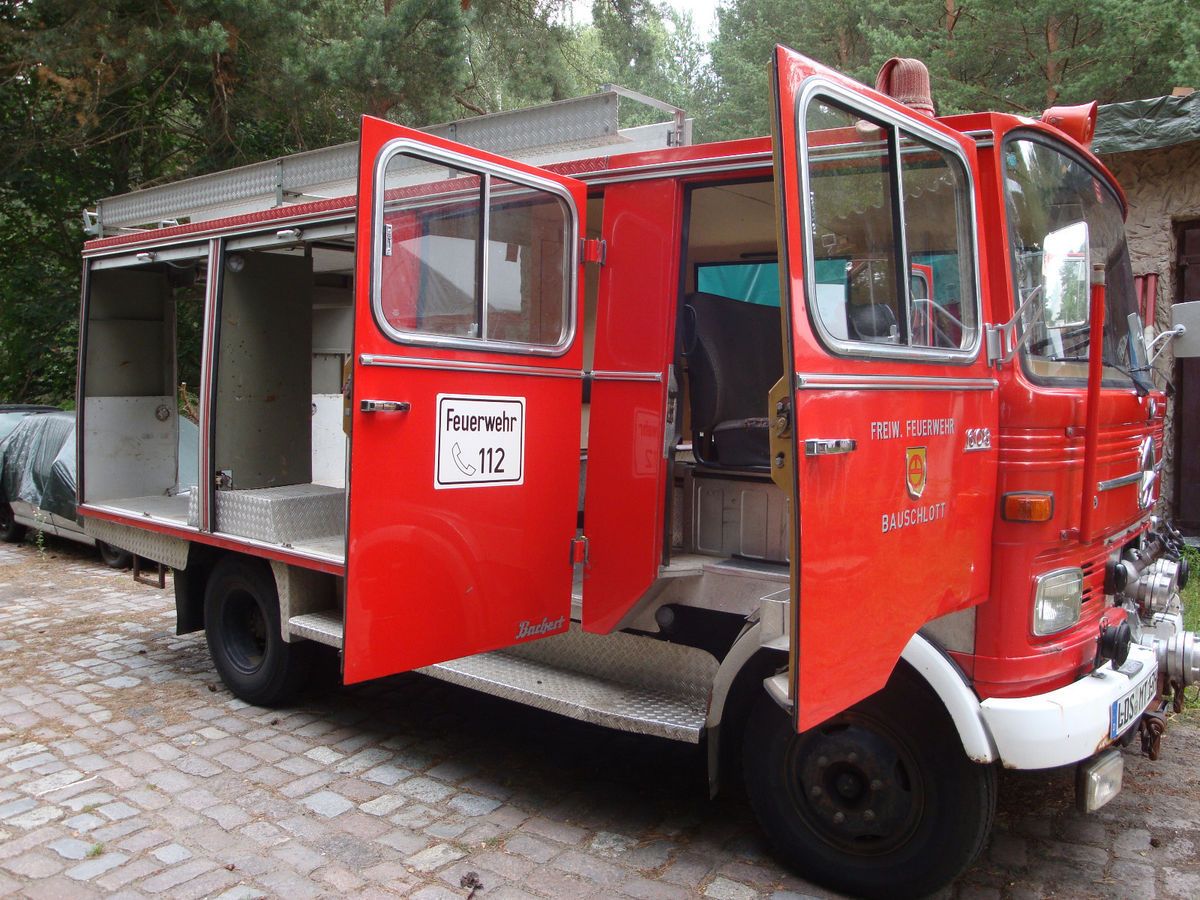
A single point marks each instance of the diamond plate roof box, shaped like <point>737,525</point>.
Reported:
<point>554,132</point>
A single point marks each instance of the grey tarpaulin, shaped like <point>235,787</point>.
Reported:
<point>37,463</point>
<point>1147,124</point>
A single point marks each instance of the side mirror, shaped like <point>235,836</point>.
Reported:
<point>1186,316</point>
<point>1140,342</point>
<point>1065,276</point>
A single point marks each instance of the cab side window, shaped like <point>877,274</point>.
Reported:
<point>892,266</point>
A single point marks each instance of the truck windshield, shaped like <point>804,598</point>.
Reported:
<point>1048,191</point>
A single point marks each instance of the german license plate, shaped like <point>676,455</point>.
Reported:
<point>1134,702</point>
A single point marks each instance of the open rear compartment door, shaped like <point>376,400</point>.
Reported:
<point>893,406</point>
<point>466,403</point>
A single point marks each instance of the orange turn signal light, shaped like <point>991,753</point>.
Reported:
<point>1027,507</point>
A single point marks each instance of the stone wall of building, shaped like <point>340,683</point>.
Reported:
<point>1163,187</point>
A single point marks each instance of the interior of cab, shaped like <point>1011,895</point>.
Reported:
<point>890,273</point>
<point>730,353</point>
<point>730,329</point>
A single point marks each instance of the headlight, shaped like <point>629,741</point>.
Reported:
<point>1056,600</point>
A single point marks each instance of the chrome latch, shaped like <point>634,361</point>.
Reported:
<point>371,406</point>
<point>829,446</point>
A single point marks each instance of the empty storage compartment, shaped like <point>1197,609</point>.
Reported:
<point>145,316</point>
<point>279,448</point>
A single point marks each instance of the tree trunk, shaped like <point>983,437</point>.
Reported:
<point>1053,27</point>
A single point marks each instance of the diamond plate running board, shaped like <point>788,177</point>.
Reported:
<point>620,681</point>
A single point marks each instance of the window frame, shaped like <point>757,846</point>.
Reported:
<point>818,88</point>
<point>485,170</point>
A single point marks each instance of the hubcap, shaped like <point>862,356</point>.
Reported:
<point>245,632</point>
<point>856,786</point>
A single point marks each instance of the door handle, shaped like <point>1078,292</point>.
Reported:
<point>371,406</point>
<point>829,446</point>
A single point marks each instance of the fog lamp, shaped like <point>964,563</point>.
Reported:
<point>1098,780</point>
<point>1056,600</point>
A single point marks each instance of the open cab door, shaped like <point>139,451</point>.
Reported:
<point>466,401</point>
<point>891,406</point>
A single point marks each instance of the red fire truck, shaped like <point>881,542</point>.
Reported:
<point>835,452</point>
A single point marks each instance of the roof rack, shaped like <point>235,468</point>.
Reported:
<point>553,132</point>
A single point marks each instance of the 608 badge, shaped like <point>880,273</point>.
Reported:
<point>480,441</point>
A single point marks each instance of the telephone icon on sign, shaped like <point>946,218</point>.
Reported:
<point>466,468</point>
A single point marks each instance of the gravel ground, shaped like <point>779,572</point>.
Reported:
<point>127,768</point>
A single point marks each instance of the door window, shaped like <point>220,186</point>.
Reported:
<point>892,266</point>
<point>468,257</point>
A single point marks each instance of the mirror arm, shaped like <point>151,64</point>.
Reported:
<point>1165,339</point>
<point>1002,341</point>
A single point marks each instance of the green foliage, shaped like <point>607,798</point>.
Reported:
<point>647,47</point>
<point>519,53</point>
<point>1191,615</point>
<point>1191,593</point>
<point>1010,57</point>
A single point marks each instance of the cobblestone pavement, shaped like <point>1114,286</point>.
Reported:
<point>125,767</point>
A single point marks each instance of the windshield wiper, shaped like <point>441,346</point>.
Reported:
<point>1138,384</point>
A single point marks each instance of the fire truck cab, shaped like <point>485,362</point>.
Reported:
<point>830,450</point>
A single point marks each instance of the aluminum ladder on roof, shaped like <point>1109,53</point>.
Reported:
<point>541,135</point>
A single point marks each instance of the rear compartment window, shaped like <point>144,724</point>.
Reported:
<point>473,258</point>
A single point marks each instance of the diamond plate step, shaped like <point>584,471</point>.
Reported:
<point>589,697</point>
<point>323,627</point>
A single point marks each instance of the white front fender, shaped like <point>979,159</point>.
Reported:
<point>941,674</point>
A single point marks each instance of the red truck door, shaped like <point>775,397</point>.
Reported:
<point>894,407</point>
<point>467,374</point>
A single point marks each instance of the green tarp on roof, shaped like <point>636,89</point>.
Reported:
<point>1147,124</point>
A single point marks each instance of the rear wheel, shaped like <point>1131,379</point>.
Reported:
<point>10,531</point>
<point>241,622</point>
<point>879,801</point>
<point>114,557</point>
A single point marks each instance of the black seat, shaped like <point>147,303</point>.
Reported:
<point>735,356</point>
<point>875,322</point>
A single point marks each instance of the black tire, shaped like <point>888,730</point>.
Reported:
<point>10,531</point>
<point>879,801</point>
<point>114,557</point>
<point>241,622</point>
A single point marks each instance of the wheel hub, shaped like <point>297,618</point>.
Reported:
<point>856,786</point>
<point>246,638</point>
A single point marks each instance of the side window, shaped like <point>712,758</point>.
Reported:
<point>937,232</point>
<point>892,245</point>
<point>850,163</point>
<point>473,258</point>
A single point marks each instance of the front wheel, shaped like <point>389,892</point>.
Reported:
<point>10,531</point>
<point>879,801</point>
<point>241,623</point>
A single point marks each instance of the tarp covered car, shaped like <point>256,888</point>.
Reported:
<point>37,483</point>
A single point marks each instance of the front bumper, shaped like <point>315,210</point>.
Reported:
<point>1066,725</point>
